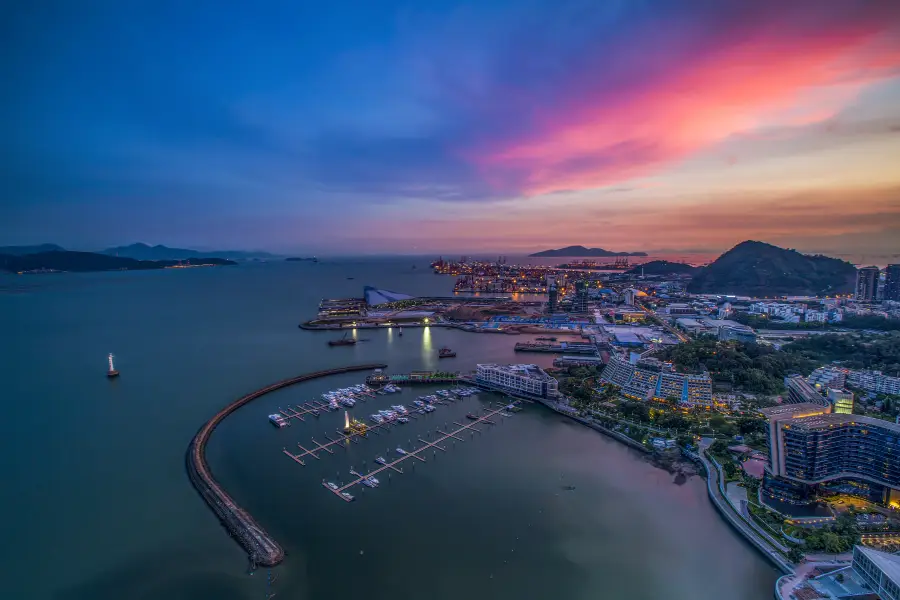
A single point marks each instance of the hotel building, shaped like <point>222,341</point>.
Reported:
<point>812,450</point>
<point>529,381</point>
<point>651,379</point>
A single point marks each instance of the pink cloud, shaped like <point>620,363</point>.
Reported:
<point>772,72</point>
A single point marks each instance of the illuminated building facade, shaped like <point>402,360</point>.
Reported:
<point>813,451</point>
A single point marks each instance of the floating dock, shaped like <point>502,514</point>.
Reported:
<point>414,454</point>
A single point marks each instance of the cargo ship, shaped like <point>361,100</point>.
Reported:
<point>344,341</point>
<point>446,353</point>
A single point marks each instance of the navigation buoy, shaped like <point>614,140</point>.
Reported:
<point>112,369</point>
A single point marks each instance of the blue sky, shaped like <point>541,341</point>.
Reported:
<point>438,126</point>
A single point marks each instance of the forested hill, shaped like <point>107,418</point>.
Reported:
<point>760,269</point>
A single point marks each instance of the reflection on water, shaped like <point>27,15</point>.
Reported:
<point>426,341</point>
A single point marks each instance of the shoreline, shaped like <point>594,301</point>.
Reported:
<point>261,548</point>
<point>732,518</point>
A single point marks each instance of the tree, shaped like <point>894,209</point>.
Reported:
<point>731,471</point>
<point>719,447</point>
<point>795,555</point>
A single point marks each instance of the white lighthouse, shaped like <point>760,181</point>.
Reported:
<point>112,369</point>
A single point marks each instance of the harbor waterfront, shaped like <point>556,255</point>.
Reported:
<point>538,507</point>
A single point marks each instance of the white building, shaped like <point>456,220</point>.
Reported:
<point>816,316</point>
<point>881,570</point>
<point>524,380</point>
<point>825,378</point>
<point>874,381</point>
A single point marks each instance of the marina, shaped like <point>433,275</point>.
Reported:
<point>341,490</point>
<point>398,415</point>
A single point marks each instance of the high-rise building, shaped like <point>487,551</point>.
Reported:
<point>810,450</point>
<point>866,284</point>
<point>552,292</point>
<point>580,302</point>
<point>892,283</point>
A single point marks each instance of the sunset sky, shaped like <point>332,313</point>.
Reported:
<point>437,126</point>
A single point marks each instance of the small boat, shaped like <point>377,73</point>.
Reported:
<point>344,341</point>
<point>400,330</point>
<point>471,416</point>
<point>347,496</point>
<point>380,460</point>
<point>368,483</point>
<point>401,450</point>
<point>446,353</point>
<point>330,485</point>
<point>403,420</point>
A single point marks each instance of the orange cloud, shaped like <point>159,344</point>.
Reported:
<point>774,74</point>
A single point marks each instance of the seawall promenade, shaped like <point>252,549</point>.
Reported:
<point>261,548</point>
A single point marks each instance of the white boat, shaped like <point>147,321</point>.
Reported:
<point>279,421</point>
<point>402,420</point>
<point>429,408</point>
<point>330,485</point>
<point>401,450</point>
<point>380,460</point>
<point>348,496</point>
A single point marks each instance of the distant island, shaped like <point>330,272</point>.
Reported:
<point>160,252</point>
<point>663,267</point>
<point>80,262</point>
<point>299,259</point>
<point>23,250</point>
<point>758,269</point>
<point>579,251</point>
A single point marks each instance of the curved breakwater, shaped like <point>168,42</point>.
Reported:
<point>261,548</point>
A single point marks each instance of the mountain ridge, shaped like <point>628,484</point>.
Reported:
<point>582,251</point>
<point>141,251</point>
<point>84,262</point>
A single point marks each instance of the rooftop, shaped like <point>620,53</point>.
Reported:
<point>888,563</point>
<point>375,296</point>
<point>830,420</point>
<point>792,411</point>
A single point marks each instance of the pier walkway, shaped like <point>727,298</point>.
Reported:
<point>353,436</point>
<point>482,420</point>
<point>260,546</point>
